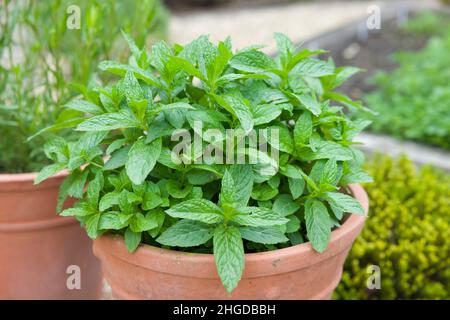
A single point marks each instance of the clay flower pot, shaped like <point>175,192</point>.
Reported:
<point>296,272</point>
<point>37,247</point>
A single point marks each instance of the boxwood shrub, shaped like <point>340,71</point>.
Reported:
<point>407,235</point>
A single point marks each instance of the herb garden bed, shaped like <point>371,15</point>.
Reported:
<point>372,51</point>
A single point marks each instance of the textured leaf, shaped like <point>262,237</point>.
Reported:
<point>296,186</point>
<point>229,255</point>
<point>265,235</point>
<point>239,109</point>
<point>132,239</point>
<point>228,190</point>
<point>113,220</point>
<point>108,200</point>
<point>92,225</point>
<point>344,202</point>
<point>142,158</point>
<point>140,223</point>
<point>312,68</point>
<point>118,159</point>
<point>177,190</point>
<point>293,224</point>
<point>198,210</point>
<point>252,61</point>
<point>309,103</point>
<point>258,217</point>
<point>243,179</point>
<point>327,150</point>
<point>284,205</point>
<point>109,121</point>
<point>330,172</point>
<point>318,226</point>
<point>84,106</point>
<point>186,233</point>
<point>303,130</point>
<point>48,171</point>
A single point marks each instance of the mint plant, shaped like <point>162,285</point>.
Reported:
<point>141,188</point>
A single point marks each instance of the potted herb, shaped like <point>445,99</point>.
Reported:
<point>218,174</point>
<point>39,250</point>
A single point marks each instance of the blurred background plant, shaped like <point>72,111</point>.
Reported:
<point>406,234</point>
<point>40,57</point>
<point>414,100</point>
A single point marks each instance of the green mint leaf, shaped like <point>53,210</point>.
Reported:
<point>293,224</point>
<point>118,159</point>
<point>252,61</point>
<point>318,226</point>
<point>228,190</point>
<point>303,130</point>
<point>330,172</point>
<point>121,69</point>
<point>132,239</point>
<point>243,180</point>
<point>48,172</point>
<point>312,68</point>
<point>94,189</point>
<point>265,113</point>
<point>344,203</point>
<point>109,121</point>
<point>92,225</point>
<point>265,235</point>
<point>326,150</point>
<point>197,209</point>
<point>140,223</point>
<point>280,138</point>
<point>142,158</point>
<point>186,233</point>
<point>309,103</point>
<point>151,200</point>
<point>113,220</point>
<point>177,190</point>
<point>284,205</point>
<point>75,212</point>
<point>237,107</point>
<point>285,49</point>
<point>258,217</point>
<point>109,200</point>
<point>84,106</point>
<point>229,255</point>
<point>296,186</point>
<point>263,192</point>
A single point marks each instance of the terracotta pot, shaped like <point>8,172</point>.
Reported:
<point>296,272</point>
<point>37,247</point>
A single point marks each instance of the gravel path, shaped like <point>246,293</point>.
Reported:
<point>300,21</point>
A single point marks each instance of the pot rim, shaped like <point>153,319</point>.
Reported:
<point>25,181</point>
<point>338,242</point>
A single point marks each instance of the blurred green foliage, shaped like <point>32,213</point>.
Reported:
<point>40,56</point>
<point>427,22</point>
<point>406,235</point>
<point>414,100</point>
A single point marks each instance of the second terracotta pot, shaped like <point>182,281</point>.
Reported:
<point>42,255</point>
<point>296,272</point>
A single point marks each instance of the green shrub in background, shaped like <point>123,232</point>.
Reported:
<point>427,22</point>
<point>414,100</point>
<point>406,235</point>
<point>40,57</point>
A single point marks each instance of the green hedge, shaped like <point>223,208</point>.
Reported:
<point>406,235</point>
